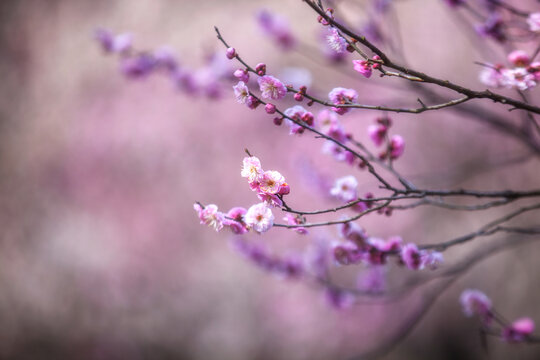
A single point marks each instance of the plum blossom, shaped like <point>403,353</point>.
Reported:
<point>475,302</point>
<point>519,330</point>
<point>235,220</point>
<point>377,133</point>
<point>277,28</point>
<point>251,168</point>
<point>297,113</point>
<point>296,220</point>
<point>241,92</point>
<point>518,78</point>
<point>345,188</point>
<point>397,146</point>
<point>242,75</point>
<point>259,217</point>
<point>336,41</point>
<point>341,96</point>
<point>534,22</point>
<point>270,182</point>
<point>519,58</point>
<point>271,88</point>
<point>111,43</point>
<point>491,76</point>
<point>431,259</point>
<point>411,256</point>
<point>363,67</point>
<point>209,215</point>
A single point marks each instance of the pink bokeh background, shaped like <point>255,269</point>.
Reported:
<point>102,255</point>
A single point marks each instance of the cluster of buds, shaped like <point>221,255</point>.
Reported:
<point>378,133</point>
<point>329,13</point>
<point>365,67</point>
<point>475,302</point>
<point>359,248</point>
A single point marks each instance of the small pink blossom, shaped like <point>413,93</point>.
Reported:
<point>242,75</point>
<point>519,58</point>
<point>336,41</point>
<point>270,182</point>
<point>345,188</point>
<point>341,96</point>
<point>337,152</point>
<point>411,256</point>
<point>397,146</point>
<point>259,217</point>
<point>235,220</point>
<point>393,243</point>
<point>519,330</point>
<point>377,133</point>
<point>270,108</point>
<point>271,88</point>
<point>251,168</point>
<point>271,200</point>
<point>432,259</point>
<point>296,220</point>
<point>209,215</point>
<point>518,78</point>
<point>534,22</point>
<point>327,120</point>
<point>297,113</point>
<point>346,253</point>
<point>363,67</point>
<point>241,92</point>
<point>491,76</point>
<point>230,53</point>
<point>475,302</point>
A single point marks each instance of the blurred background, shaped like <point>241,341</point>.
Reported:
<point>101,253</point>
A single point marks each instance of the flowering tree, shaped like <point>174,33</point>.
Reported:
<point>305,110</point>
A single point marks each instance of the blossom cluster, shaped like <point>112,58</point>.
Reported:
<point>135,64</point>
<point>475,302</point>
<point>524,74</point>
<point>269,185</point>
<point>359,248</point>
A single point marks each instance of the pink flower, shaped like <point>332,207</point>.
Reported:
<point>271,88</point>
<point>242,75</point>
<point>534,22</point>
<point>236,221</point>
<point>277,28</point>
<point>518,78</point>
<point>377,133</point>
<point>296,220</point>
<point>491,76</point>
<point>259,217</point>
<point>209,215</point>
<point>327,120</point>
<point>251,169</point>
<point>230,53</point>
<point>336,41</point>
<point>297,113</point>
<point>270,199</point>
<point>475,302</point>
<point>391,244</point>
<point>363,67</point>
<point>110,43</point>
<point>397,146</point>
<point>345,188</point>
<point>432,259</point>
<point>354,233</point>
<point>241,92</point>
<point>270,182</point>
<point>519,330</point>
<point>411,256</point>
<point>519,58</point>
<point>346,253</point>
<point>341,96</point>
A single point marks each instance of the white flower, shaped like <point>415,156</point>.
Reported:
<point>345,188</point>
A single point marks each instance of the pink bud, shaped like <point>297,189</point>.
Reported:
<point>231,53</point>
<point>241,75</point>
<point>270,108</point>
<point>298,97</point>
